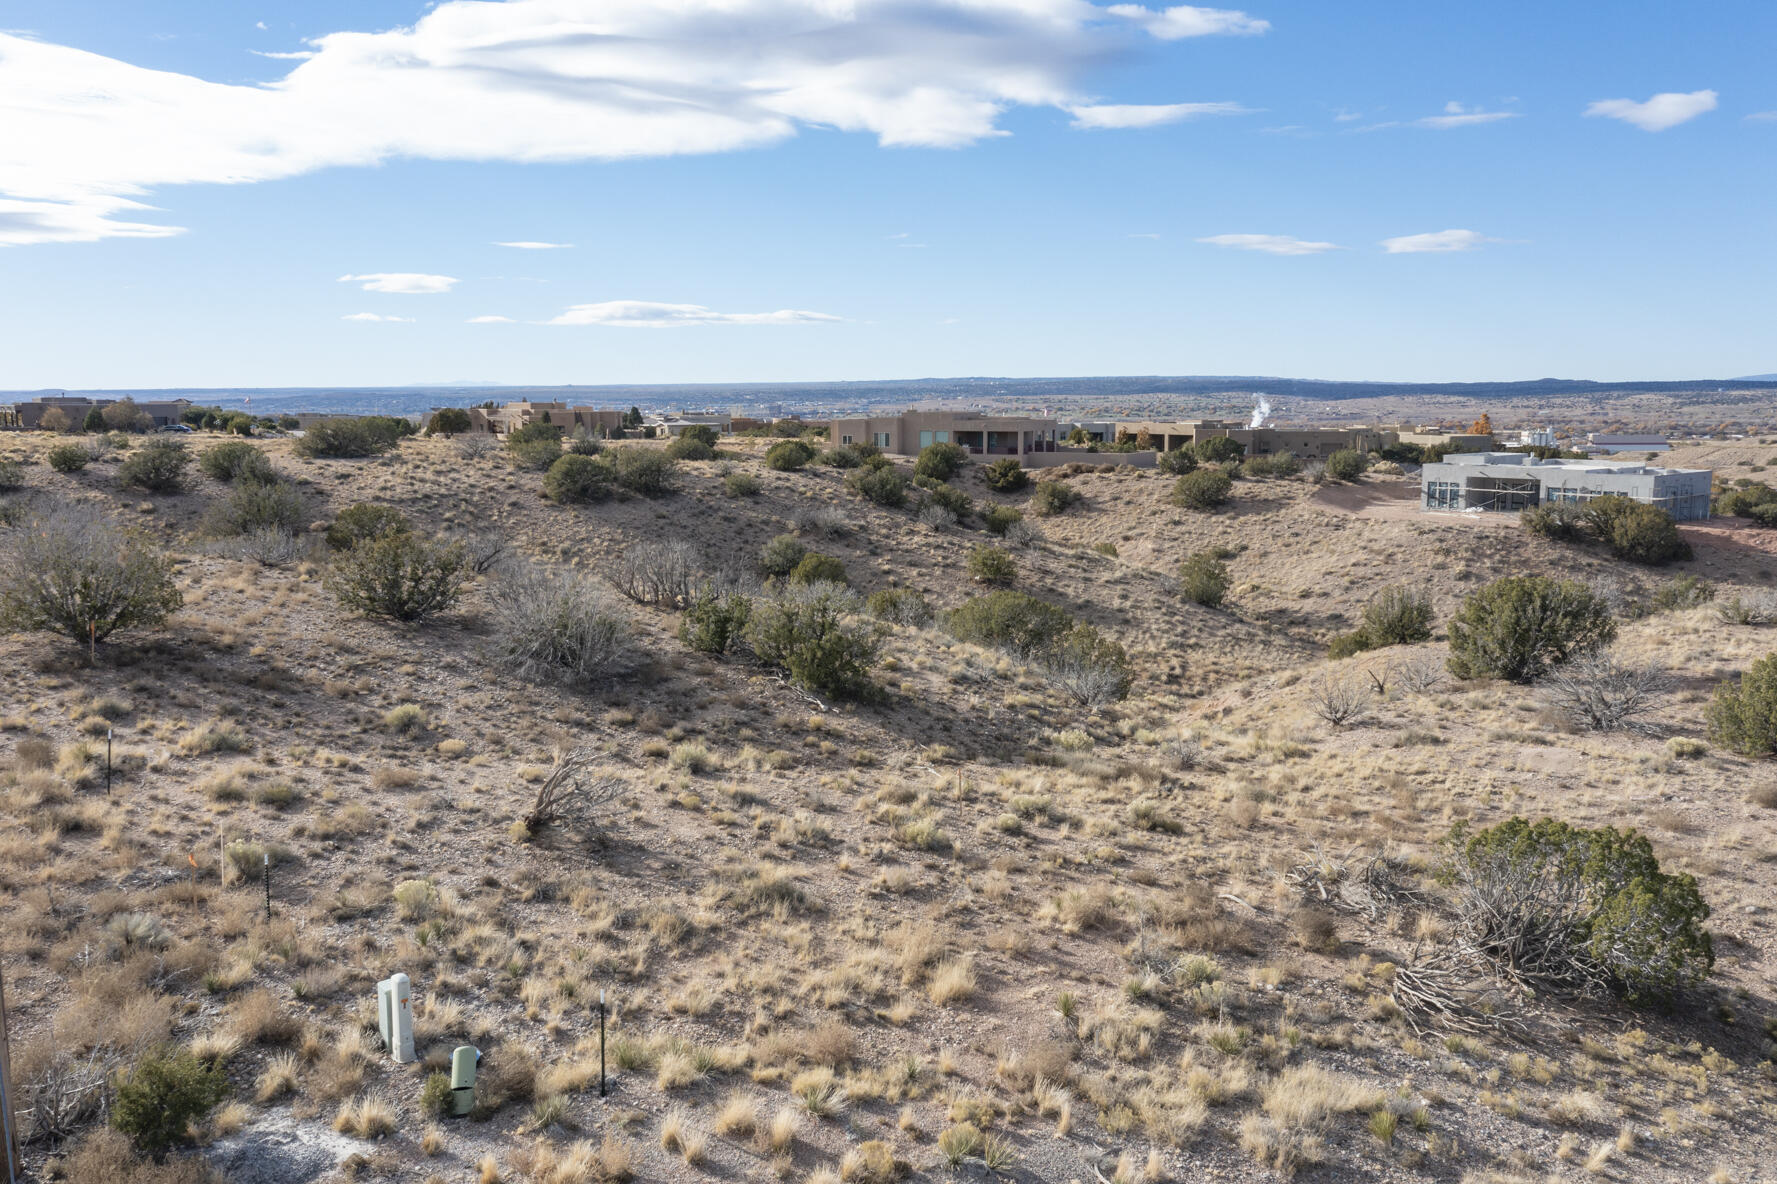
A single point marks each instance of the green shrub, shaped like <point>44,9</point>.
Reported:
<point>715,622</point>
<point>1009,620</point>
<point>805,632</point>
<point>645,471</point>
<point>1000,519</point>
<point>1204,579</point>
<point>1740,502</point>
<point>1346,644</point>
<point>843,457</point>
<point>1090,668</point>
<point>882,485</point>
<point>162,1096</point>
<point>76,573</point>
<point>1006,475</point>
<point>1743,714</point>
<point>346,437</point>
<point>815,568</point>
<point>436,1099</point>
<point>940,461</point>
<point>1688,591</point>
<point>1517,627</point>
<point>1563,522</point>
<point>1219,450</point>
<point>691,447</point>
<point>1204,489</point>
<point>780,556</point>
<point>255,505</point>
<point>534,456</point>
<point>1177,462</point>
<point>1283,464</point>
<point>364,523</point>
<point>1398,615</point>
<point>1053,497</point>
<point>993,566</point>
<point>1635,531</point>
<point>158,467</point>
<point>535,432</point>
<point>12,476</point>
<point>1347,464</point>
<point>448,422</point>
<point>574,479</point>
<point>69,458</point>
<point>1578,911</point>
<point>582,442</point>
<point>234,460</point>
<point>787,456</point>
<point>741,485</point>
<point>400,576</point>
<point>901,606</point>
<point>952,499</point>
<point>701,431</point>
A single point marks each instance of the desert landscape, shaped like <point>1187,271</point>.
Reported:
<point>965,914</point>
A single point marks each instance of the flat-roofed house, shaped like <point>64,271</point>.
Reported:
<point>976,432</point>
<point>1507,482</point>
<point>499,421</point>
<point>1308,443</point>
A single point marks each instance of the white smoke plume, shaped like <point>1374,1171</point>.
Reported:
<point>1261,412</point>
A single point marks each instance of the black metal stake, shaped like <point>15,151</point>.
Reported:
<point>267,858</point>
<point>107,762</point>
<point>601,1043</point>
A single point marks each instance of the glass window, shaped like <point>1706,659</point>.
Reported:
<point>925,439</point>
<point>943,437</point>
<point>845,439</point>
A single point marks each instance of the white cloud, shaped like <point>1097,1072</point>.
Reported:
<point>402,283</point>
<point>1763,117</point>
<point>1121,115</point>
<point>1455,115</point>
<point>490,320</point>
<point>294,55</point>
<point>1440,241</point>
<point>646,314</point>
<point>1658,113</point>
<point>375,316</point>
<point>546,81</point>
<point>259,25</point>
<point>1184,20</point>
<point>533,246</point>
<point>1270,244</point>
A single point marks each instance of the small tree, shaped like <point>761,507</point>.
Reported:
<point>645,471</point>
<point>400,577</point>
<point>816,568</point>
<point>992,566</point>
<point>940,461</point>
<point>1203,579</point>
<point>448,422</point>
<point>1637,532</point>
<point>574,479</point>
<point>1089,667</point>
<point>365,523</point>
<point>1398,615</point>
<point>780,556</point>
<point>806,632</point>
<point>1347,464</point>
<point>255,505</point>
<point>159,1100</point>
<point>1561,521</point>
<point>1517,627</point>
<point>1009,620</point>
<point>688,446</point>
<point>716,621</point>
<point>94,421</point>
<point>883,485</point>
<point>1204,489</point>
<point>1053,497</point>
<point>235,460</point>
<point>1177,462</point>
<point>1219,450</point>
<point>554,626</point>
<point>1743,714</point>
<point>787,456</point>
<point>157,467</point>
<point>948,497</point>
<point>1576,911</point>
<point>1000,519</point>
<point>1006,475</point>
<point>69,458</point>
<point>76,573</point>
<point>899,606</point>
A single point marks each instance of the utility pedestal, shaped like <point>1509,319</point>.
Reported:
<point>462,1079</point>
<point>394,1017</point>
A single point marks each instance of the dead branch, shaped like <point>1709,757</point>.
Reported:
<point>572,786</point>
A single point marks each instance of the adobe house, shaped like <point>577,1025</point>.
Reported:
<point>977,433</point>
<point>1307,443</point>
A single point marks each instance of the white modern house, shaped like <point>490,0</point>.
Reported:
<point>1507,482</point>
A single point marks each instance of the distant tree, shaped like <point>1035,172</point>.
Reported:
<point>1517,627</point>
<point>55,420</point>
<point>157,467</point>
<point>448,422</point>
<point>574,479</point>
<point>94,421</point>
<point>1204,489</point>
<point>787,456</point>
<point>1006,475</point>
<point>1482,426</point>
<point>940,461</point>
<point>1177,462</point>
<point>346,437</point>
<point>633,418</point>
<point>884,486</point>
<point>1347,464</point>
<point>1219,450</point>
<point>645,471</point>
<point>124,416</point>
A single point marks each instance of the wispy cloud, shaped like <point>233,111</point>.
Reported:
<point>490,320</point>
<point>647,314</point>
<point>1763,117</point>
<point>1185,20</point>
<point>375,316</point>
<point>1124,115</point>
<point>1455,115</point>
<point>536,246</point>
<point>294,55</point>
<point>1144,235</point>
<point>1436,242</point>
<point>402,283</point>
<point>1658,113</point>
<point>87,136</point>
<point>1270,244</point>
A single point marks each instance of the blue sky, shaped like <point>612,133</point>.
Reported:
<point>817,189</point>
